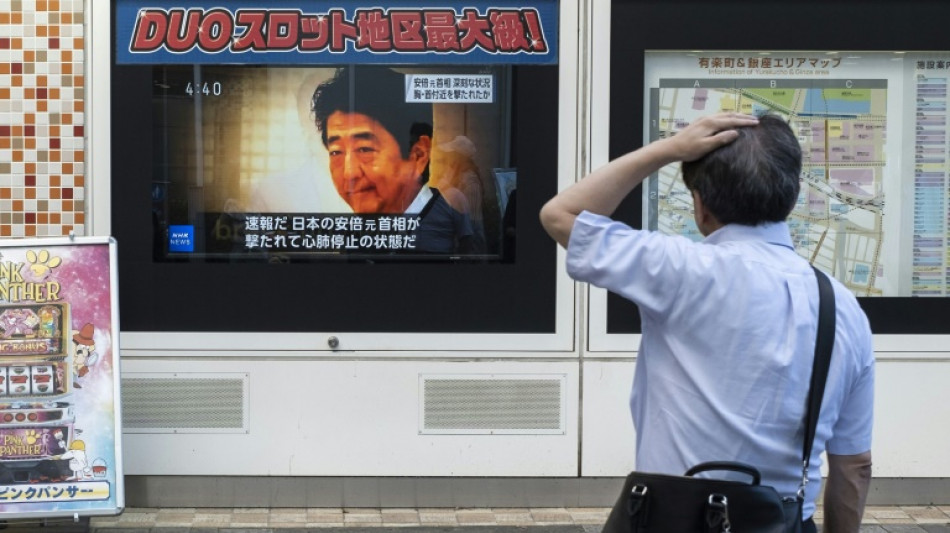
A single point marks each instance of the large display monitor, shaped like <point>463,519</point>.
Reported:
<point>870,110</point>
<point>243,201</point>
<point>244,172</point>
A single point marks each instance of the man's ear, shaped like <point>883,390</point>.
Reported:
<point>705,221</point>
<point>699,211</point>
<point>420,152</point>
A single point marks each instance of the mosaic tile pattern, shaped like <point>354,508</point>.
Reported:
<point>42,118</point>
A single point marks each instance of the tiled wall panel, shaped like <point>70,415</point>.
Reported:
<point>42,118</point>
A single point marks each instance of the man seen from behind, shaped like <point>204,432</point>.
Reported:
<point>729,323</point>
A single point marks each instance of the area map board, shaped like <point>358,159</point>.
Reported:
<point>60,452</point>
<point>873,206</point>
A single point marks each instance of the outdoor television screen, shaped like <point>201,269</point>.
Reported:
<point>327,163</point>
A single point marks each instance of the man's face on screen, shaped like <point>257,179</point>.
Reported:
<point>367,166</point>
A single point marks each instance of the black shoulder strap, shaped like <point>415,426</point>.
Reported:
<point>824,343</point>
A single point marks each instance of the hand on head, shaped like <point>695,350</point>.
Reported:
<point>707,134</point>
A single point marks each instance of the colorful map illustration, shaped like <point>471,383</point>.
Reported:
<point>837,223</point>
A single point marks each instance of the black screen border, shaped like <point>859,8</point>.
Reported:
<point>519,297</point>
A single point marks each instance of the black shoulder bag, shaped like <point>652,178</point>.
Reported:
<point>652,503</point>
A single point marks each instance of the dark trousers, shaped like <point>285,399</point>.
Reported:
<point>808,526</point>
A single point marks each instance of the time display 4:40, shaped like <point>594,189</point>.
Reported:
<point>206,88</point>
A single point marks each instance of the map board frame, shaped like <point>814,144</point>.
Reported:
<point>842,26</point>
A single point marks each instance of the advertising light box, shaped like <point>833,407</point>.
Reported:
<point>60,445</point>
<point>319,32</point>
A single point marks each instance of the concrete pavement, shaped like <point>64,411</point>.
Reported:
<point>877,519</point>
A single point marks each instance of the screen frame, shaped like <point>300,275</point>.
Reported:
<point>558,340</point>
<point>913,326</point>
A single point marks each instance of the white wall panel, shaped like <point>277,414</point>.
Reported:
<point>608,436</point>
<point>912,419</point>
<point>352,418</point>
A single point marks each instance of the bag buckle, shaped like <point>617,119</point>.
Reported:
<point>718,500</point>
<point>637,500</point>
<point>717,514</point>
<point>804,483</point>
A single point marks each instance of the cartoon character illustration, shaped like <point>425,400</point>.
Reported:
<point>17,321</point>
<point>56,443</point>
<point>60,382</point>
<point>77,460</point>
<point>84,353</point>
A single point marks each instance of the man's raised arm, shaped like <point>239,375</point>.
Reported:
<point>603,190</point>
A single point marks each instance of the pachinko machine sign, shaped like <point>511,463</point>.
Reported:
<point>59,379</point>
<point>314,32</point>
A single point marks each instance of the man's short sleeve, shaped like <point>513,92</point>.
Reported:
<point>642,266</point>
<point>852,431</point>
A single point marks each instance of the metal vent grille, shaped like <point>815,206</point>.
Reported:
<point>505,405</point>
<point>184,403</point>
